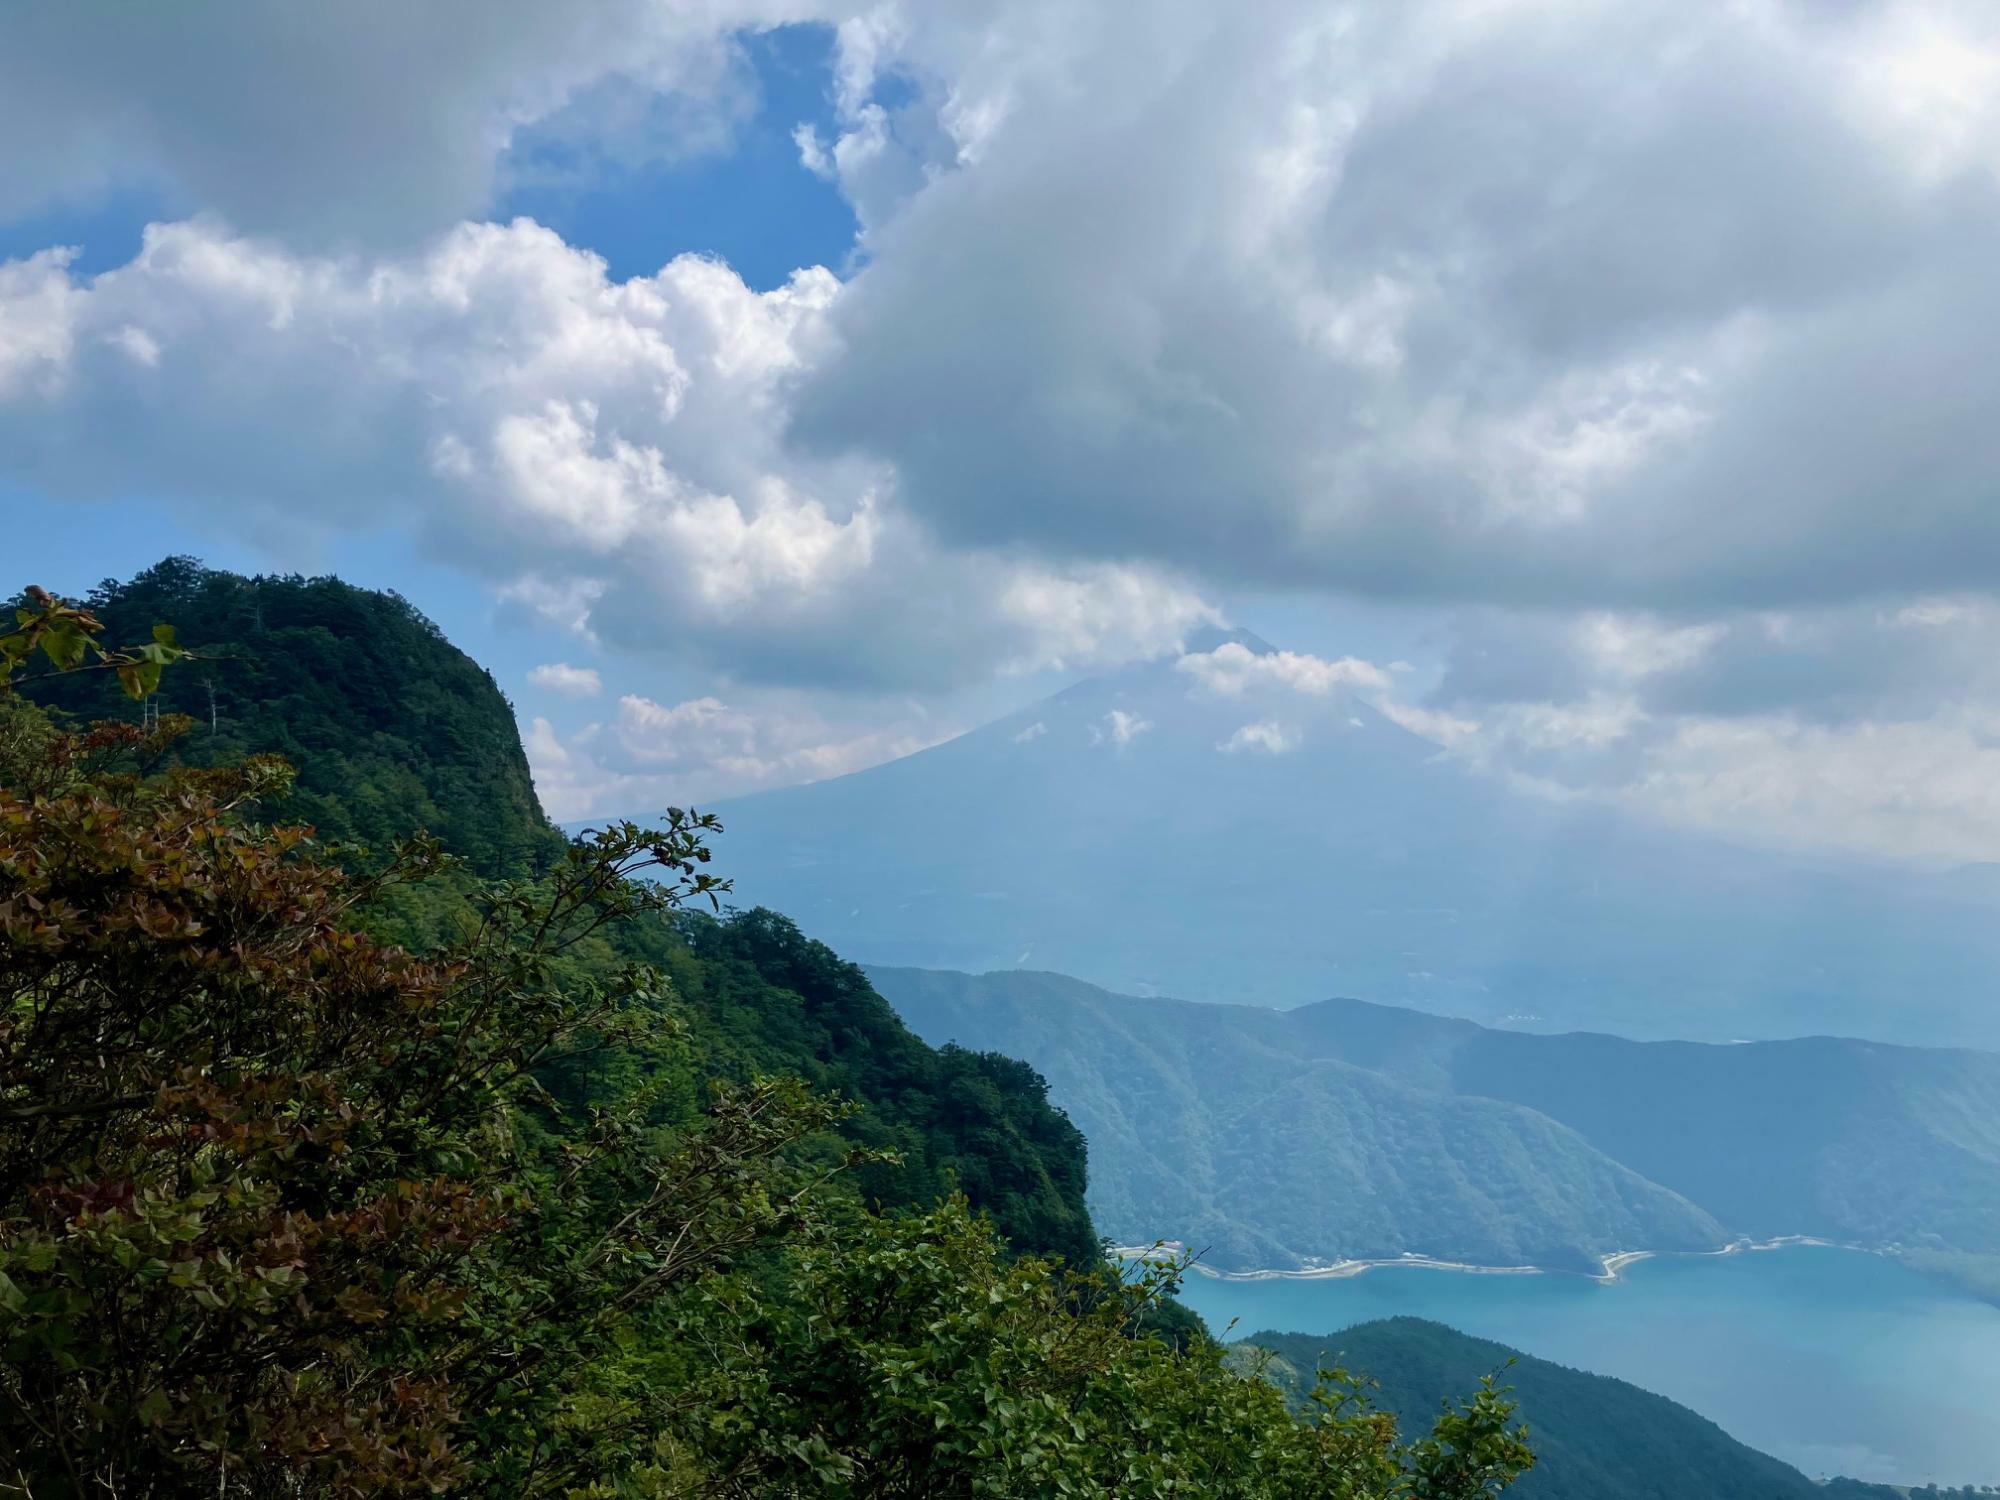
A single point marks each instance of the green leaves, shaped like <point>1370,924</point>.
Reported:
<point>67,638</point>
<point>271,1189</point>
<point>913,1356</point>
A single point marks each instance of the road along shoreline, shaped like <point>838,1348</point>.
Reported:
<point>1612,1266</point>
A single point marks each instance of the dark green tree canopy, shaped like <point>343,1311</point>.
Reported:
<point>391,728</point>
<point>775,1001</point>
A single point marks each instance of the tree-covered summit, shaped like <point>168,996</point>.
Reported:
<point>390,726</point>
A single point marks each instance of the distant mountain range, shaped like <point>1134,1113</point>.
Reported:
<point>1351,1130</point>
<point>1129,831</point>
<point>1595,1438</point>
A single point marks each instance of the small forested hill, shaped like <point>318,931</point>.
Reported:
<point>1235,1115</point>
<point>764,1000</point>
<point>1595,1438</point>
<point>1205,1131</point>
<point>391,728</point>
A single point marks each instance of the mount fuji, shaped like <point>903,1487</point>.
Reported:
<point>1150,834</point>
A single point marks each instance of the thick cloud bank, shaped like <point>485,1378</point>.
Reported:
<point>610,452</point>
<point>1647,344</point>
<point>1595,304</point>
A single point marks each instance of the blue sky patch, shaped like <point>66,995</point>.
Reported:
<point>752,204</point>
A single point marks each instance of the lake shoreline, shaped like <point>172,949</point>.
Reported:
<point>1900,1365</point>
<point>1612,1266</point>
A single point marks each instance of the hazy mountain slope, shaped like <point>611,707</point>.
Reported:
<point>1595,1438</point>
<point>1262,1118</point>
<point>1825,1136</point>
<point>1146,858</point>
<point>1208,1130</point>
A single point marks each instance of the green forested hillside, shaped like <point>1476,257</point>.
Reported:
<point>1846,1140</point>
<point>1595,1438</point>
<point>1204,1131</point>
<point>390,727</point>
<point>756,999</point>
<point>768,1001</point>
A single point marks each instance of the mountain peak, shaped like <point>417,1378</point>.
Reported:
<point>1214,637</point>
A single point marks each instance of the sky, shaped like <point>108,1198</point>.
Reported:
<point>766,388</point>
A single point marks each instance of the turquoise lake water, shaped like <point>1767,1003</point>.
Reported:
<point>1835,1361</point>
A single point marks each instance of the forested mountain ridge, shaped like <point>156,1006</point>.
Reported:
<point>390,727</point>
<point>1267,1158</point>
<point>1595,1437</point>
<point>1824,1136</point>
<point>1850,1141</point>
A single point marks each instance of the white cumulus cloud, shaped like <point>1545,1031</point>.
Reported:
<point>1119,728</point>
<point>612,451</point>
<point>1233,669</point>
<point>1264,738</point>
<point>701,749</point>
<point>1688,423</point>
<point>571,682</point>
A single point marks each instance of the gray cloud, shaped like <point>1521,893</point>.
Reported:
<point>1867,727</point>
<point>372,121</point>
<point>1593,304</point>
<point>1652,342</point>
<point>1838,665</point>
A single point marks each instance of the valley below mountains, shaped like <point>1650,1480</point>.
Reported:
<point>1342,1130</point>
